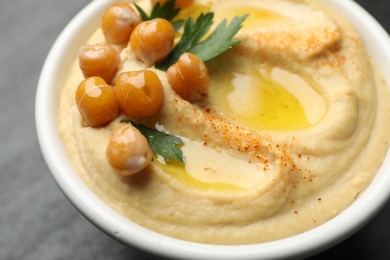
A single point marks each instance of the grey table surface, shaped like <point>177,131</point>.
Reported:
<point>36,220</point>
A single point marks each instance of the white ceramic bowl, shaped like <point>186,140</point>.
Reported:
<point>318,239</point>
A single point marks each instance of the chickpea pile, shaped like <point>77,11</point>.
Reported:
<point>104,94</point>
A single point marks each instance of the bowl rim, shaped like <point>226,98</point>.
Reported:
<point>333,231</point>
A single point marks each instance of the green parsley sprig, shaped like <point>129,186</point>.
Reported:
<point>220,40</point>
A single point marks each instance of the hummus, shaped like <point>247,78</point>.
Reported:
<point>292,131</point>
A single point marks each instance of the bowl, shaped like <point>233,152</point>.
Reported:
<point>54,71</point>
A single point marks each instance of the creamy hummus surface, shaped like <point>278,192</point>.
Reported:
<point>294,128</point>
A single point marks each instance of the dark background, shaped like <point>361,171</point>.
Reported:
<point>36,220</point>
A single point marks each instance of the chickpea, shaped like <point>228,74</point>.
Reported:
<point>139,93</point>
<point>153,40</point>
<point>128,151</point>
<point>189,77</point>
<point>96,102</point>
<point>118,22</point>
<point>98,60</point>
<point>181,4</point>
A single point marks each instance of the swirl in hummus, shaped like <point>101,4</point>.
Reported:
<point>292,131</point>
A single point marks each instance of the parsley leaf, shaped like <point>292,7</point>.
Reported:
<point>220,40</point>
<point>168,146</point>
<point>166,11</point>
